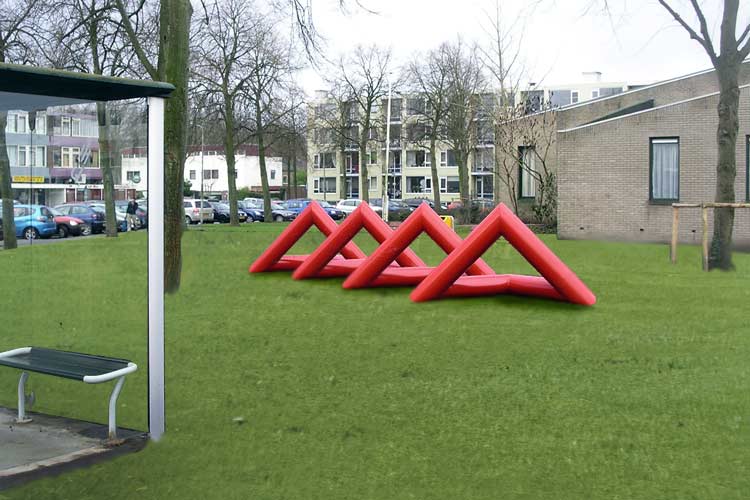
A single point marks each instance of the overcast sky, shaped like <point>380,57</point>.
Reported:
<point>638,43</point>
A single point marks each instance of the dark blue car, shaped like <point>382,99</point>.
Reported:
<point>298,206</point>
<point>89,215</point>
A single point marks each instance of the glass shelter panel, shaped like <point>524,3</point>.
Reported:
<point>75,166</point>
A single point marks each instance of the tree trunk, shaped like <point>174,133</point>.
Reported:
<point>294,170</point>
<point>105,161</point>
<point>434,169</point>
<point>267,215</point>
<point>174,51</point>
<point>720,256</point>
<point>229,150</point>
<point>6,190</point>
<point>463,185</point>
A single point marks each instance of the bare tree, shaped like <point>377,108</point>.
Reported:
<point>336,125</point>
<point>364,76</point>
<point>501,56</point>
<point>271,92</point>
<point>17,29</point>
<point>733,48</point>
<point>172,66</point>
<point>428,81</point>
<point>466,85</point>
<point>223,48</point>
<point>85,37</point>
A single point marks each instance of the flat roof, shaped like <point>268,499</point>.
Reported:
<point>20,79</point>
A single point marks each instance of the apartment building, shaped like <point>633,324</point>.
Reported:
<point>334,171</point>
<point>213,161</point>
<point>591,86</point>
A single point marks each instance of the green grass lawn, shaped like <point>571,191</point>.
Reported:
<point>365,395</point>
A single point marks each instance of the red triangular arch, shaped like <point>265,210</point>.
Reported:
<point>375,271</point>
<point>556,280</point>
<point>273,258</point>
<point>363,217</point>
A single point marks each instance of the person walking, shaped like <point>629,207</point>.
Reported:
<point>132,218</point>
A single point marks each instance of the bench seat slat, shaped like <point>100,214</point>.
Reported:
<point>65,364</point>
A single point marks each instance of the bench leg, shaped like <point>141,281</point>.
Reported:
<point>113,409</point>
<point>22,419</point>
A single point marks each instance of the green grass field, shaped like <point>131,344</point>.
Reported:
<point>365,395</point>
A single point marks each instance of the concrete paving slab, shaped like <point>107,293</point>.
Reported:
<point>50,445</point>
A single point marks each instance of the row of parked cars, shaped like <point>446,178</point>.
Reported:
<point>69,219</point>
<point>252,209</point>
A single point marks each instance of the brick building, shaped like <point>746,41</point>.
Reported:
<point>621,161</point>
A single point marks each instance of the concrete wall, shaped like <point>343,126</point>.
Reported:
<point>603,174</point>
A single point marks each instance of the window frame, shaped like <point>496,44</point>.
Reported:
<point>521,153</point>
<point>663,139</point>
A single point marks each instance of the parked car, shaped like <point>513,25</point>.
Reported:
<point>397,209</point>
<point>415,202</point>
<point>222,212</point>
<point>120,215</point>
<point>254,202</point>
<point>94,218</point>
<point>34,221</point>
<point>299,205</point>
<point>193,209</point>
<point>70,226</point>
<point>348,206</point>
<point>253,214</point>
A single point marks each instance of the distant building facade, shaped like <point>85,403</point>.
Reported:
<point>214,177</point>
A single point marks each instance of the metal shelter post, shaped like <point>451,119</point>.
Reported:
<point>156,420</point>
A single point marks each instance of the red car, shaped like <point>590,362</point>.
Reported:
<point>70,226</point>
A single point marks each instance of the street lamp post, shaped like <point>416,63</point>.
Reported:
<point>200,205</point>
<point>387,153</point>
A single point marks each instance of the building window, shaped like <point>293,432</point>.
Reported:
<point>373,184</point>
<point>324,185</point>
<point>351,163</point>
<point>192,175</point>
<point>449,184</point>
<point>210,174</point>
<point>70,156</point>
<point>595,94</point>
<point>665,169</point>
<point>38,156</point>
<point>273,174</point>
<point>65,125</point>
<point>372,157</point>
<point>417,159</point>
<point>130,176</point>
<point>573,96</point>
<point>75,127</point>
<point>447,158</point>
<point>325,160</point>
<point>527,171</point>
<point>418,185</point>
<point>394,166</point>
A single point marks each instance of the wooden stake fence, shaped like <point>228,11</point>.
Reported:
<point>704,218</point>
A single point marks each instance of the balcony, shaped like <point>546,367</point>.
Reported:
<point>352,169</point>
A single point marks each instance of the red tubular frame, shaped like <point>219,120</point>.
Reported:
<point>363,217</point>
<point>422,220</point>
<point>273,258</point>
<point>561,282</point>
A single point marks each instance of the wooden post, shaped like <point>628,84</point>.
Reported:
<point>704,215</point>
<point>675,231</point>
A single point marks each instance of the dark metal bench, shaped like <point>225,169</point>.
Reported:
<point>84,367</point>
